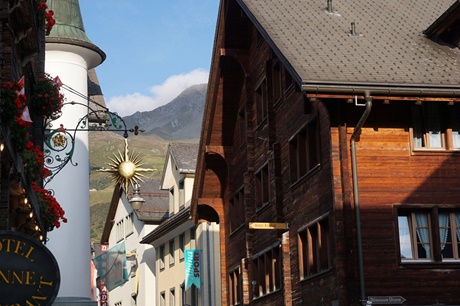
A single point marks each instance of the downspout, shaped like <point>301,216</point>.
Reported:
<point>354,170</point>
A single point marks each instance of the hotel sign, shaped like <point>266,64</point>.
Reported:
<point>268,225</point>
<point>387,300</point>
<point>29,273</point>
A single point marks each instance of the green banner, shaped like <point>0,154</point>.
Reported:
<point>192,268</point>
<point>111,266</point>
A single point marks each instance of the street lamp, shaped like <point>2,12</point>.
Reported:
<point>136,200</point>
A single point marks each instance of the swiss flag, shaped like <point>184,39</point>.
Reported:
<point>21,84</point>
<point>57,81</point>
<point>26,115</point>
<point>25,112</point>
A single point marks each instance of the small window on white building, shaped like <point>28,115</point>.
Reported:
<point>161,258</point>
<point>181,246</point>
<point>171,201</point>
<point>129,224</point>
<point>120,230</point>
<point>181,195</point>
<point>171,252</point>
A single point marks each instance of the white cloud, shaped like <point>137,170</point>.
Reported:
<point>161,94</point>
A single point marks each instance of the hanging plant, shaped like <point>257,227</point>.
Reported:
<point>45,17</point>
<point>12,104</point>
<point>34,160</point>
<point>51,213</point>
<point>47,101</point>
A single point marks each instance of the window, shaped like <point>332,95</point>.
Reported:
<point>129,224</point>
<point>120,230</point>
<point>172,297</point>
<point>261,100</point>
<point>181,246</point>
<point>171,201</point>
<point>267,271</point>
<point>429,235</point>
<point>304,150</point>
<point>162,257</point>
<point>194,298</point>
<point>314,249</point>
<point>242,127</point>
<point>234,283</point>
<point>181,195</point>
<point>276,82</point>
<point>171,252</point>
<point>193,238</point>
<point>436,126</point>
<point>237,210</point>
<point>183,296</point>
<point>162,298</point>
<point>288,81</point>
<point>262,187</point>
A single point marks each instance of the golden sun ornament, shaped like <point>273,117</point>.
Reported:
<point>126,168</point>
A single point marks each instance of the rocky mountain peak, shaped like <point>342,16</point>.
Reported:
<point>180,119</point>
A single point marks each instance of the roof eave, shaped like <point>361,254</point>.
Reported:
<point>167,226</point>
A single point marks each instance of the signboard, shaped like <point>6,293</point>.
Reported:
<point>192,268</point>
<point>111,266</point>
<point>387,300</point>
<point>104,297</point>
<point>29,273</point>
<point>267,225</point>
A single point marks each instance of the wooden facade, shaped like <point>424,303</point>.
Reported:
<point>368,186</point>
<point>22,55</point>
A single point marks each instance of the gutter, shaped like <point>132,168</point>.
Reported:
<point>353,139</point>
<point>384,90</point>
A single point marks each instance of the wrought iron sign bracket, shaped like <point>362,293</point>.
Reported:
<point>59,142</point>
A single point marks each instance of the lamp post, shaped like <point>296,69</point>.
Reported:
<point>136,200</point>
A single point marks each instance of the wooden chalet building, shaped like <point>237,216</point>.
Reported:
<point>340,119</point>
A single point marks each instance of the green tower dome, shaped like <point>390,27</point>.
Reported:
<point>69,27</point>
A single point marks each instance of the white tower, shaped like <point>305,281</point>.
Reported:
<point>69,55</point>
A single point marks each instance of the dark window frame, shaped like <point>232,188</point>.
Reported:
<point>304,150</point>
<point>237,210</point>
<point>262,186</point>
<point>434,227</point>
<point>267,271</point>
<point>261,102</point>
<point>435,126</point>
<point>235,283</point>
<point>314,247</point>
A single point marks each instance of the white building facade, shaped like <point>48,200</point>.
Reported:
<point>178,234</point>
<point>126,227</point>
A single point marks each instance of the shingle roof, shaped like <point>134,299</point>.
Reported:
<point>391,48</point>
<point>156,205</point>
<point>185,155</point>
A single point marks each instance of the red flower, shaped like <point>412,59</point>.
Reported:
<point>51,212</point>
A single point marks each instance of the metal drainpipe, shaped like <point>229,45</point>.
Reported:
<point>354,170</point>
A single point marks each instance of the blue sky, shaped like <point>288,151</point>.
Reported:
<point>155,49</point>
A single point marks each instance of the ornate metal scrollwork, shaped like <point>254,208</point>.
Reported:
<point>59,143</point>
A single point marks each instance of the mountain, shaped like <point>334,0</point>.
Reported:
<point>180,119</point>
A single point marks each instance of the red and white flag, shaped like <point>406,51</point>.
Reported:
<point>26,115</point>
<point>25,112</point>
<point>57,81</point>
<point>21,84</point>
